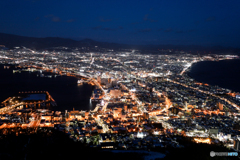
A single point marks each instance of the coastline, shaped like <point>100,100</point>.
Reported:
<point>188,71</point>
<point>64,102</point>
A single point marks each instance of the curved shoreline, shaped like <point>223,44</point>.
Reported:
<point>62,100</point>
<point>214,83</point>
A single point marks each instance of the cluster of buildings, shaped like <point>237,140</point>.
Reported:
<point>143,100</point>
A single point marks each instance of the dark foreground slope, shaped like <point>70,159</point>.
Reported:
<point>50,144</point>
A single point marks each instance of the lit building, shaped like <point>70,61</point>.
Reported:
<point>115,93</point>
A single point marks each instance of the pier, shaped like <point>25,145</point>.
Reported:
<point>38,103</point>
<point>82,78</point>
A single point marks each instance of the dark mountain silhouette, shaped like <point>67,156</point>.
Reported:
<point>10,41</point>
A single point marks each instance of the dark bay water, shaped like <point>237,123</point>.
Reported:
<point>225,73</point>
<point>64,90</point>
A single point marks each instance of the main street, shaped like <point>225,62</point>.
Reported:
<point>100,123</point>
<point>209,93</point>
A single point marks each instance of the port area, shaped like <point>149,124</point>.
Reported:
<point>27,99</point>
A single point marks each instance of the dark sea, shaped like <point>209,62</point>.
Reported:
<point>225,73</point>
<point>63,89</point>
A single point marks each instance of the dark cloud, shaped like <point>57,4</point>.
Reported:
<point>179,31</point>
<point>33,1</point>
<point>152,20</point>
<point>56,19</point>
<point>70,20</point>
<point>109,29</point>
<point>106,28</point>
<point>186,31</point>
<point>196,22</point>
<point>135,23</point>
<point>145,30</point>
<point>146,18</point>
<point>53,18</point>
<point>37,19</point>
<point>97,27</point>
<point>209,19</point>
<point>168,30</point>
<point>226,18</point>
<point>101,19</point>
<point>191,30</point>
<point>50,15</point>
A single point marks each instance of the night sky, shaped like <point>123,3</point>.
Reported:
<point>198,22</point>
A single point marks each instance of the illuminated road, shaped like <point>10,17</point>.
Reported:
<point>224,99</point>
<point>4,126</point>
<point>9,108</point>
<point>96,109</point>
<point>105,107</point>
<point>138,102</point>
<point>100,123</point>
<point>35,122</point>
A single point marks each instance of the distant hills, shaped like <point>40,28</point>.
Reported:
<point>11,41</point>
